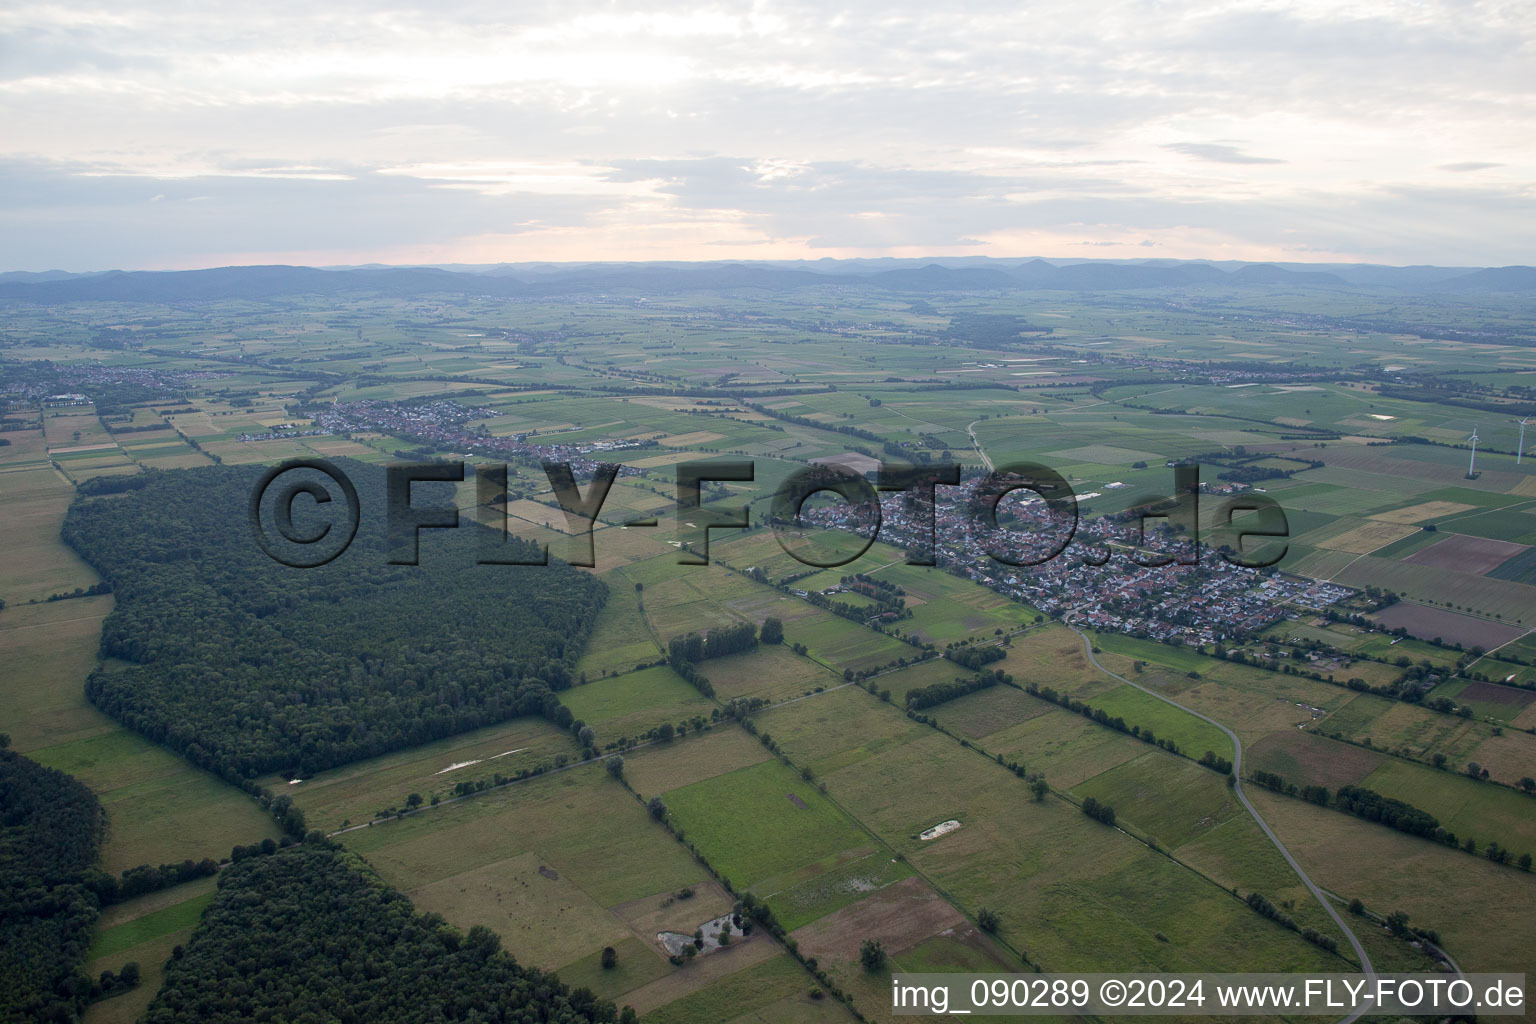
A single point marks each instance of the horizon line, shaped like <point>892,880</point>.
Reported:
<point>926,260</point>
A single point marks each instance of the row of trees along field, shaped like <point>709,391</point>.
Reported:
<point>1393,813</point>
<point>717,643</point>
<point>308,933</point>
<point>248,666</point>
<point>922,697</point>
<point>50,831</point>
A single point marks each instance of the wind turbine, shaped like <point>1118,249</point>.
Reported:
<point>1520,452</point>
<point>1473,462</point>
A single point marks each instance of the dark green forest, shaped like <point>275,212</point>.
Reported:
<point>309,934</point>
<point>50,830</point>
<point>248,666</point>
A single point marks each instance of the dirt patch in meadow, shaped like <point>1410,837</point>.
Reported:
<point>899,916</point>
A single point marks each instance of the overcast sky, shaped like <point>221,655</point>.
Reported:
<point>188,134</point>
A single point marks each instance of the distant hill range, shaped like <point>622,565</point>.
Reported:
<point>972,274</point>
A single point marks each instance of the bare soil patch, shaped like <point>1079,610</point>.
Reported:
<point>1488,693</point>
<point>1308,760</point>
<point>1466,554</point>
<point>943,828</point>
<point>1428,623</point>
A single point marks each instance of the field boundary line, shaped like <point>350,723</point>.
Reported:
<point>489,789</point>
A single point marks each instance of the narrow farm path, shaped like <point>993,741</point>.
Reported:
<point>971,429</point>
<point>1237,787</point>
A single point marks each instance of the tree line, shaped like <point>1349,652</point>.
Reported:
<point>921,697</point>
<point>1101,716</point>
<point>1099,811</point>
<point>137,881</point>
<point>50,831</point>
<point>718,642</point>
<point>975,657</point>
<point>684,652</point>
<point>1389,811</point>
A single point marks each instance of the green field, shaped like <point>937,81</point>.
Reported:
<point>770,672</point>
<point>620,640</point>
<point>774,992</point>
<point>144,931</point>
<point>1466,807</point>
<point>113,940</point>
<point>760,821</point>
<point>835,729</point>
<point>1193,736</point>
<point>632,704</point>
<point>1173,801</point>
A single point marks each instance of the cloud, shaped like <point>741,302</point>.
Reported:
<point>92,217</point>
<point>782,127</point>
<point>1219,153</point>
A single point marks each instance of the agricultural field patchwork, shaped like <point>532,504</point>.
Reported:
<point>866,751</point>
